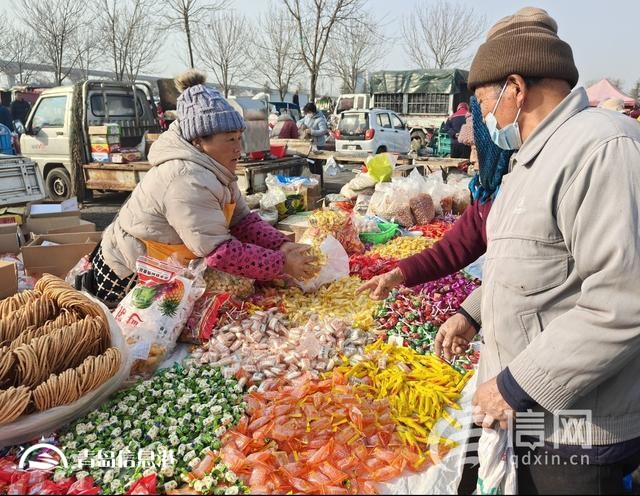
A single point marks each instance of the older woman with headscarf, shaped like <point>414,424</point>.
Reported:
<point>452,127</point>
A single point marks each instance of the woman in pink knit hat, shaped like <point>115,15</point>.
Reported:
<point>189,204</point>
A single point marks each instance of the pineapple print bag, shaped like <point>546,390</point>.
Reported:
<point>153,314</point>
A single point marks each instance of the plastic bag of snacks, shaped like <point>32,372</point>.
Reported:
<point>210,311</point>
<point>337,224</point>
<point>422,208</point>
<point>287,194</point>
<point>153,314</point>
<point>223,282</point>
<point>334,265</point>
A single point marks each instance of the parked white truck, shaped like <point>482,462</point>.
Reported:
<point>56,137</point>
<point>423,98</point>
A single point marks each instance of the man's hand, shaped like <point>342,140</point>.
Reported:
<point>380,286</point>
<point>454,336</point>
<point>490,407</point>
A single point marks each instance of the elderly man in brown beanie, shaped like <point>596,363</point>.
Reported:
<point>560,299</point>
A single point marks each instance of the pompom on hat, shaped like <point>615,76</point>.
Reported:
<point>203,111</point>
<point>525,43</point>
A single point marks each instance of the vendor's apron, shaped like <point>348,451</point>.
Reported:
<point>180,252</point>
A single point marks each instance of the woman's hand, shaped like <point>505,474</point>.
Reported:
<point>297,264</point>
<point>290,246</point>
<point>454,336</point>
<point>380,286</point>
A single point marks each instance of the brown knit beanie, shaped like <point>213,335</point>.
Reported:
<point>525,43</point>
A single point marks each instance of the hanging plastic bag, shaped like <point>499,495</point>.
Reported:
<point>335,268</point>
<point>497,472</point>
<point>380,167</point>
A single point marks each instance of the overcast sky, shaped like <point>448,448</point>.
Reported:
<point>603,34</point>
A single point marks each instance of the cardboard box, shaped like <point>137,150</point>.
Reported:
<point>105,139</point>
<point>297,224</point>
<point>8,279</point>
<point>61,255</point>
<point>11,238</point>
<point>104,148</point>
<point>47,208</point>
<point>43,217</point>
<point>130,154</point>
<point>314,195</point>
<point>81,227</point>
<point>105,130</point>
<point>102,157</point>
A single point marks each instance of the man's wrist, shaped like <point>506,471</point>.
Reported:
<point>470,319</point>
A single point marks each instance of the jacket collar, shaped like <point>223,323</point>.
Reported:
<point>574,102</point>
<point>172,146</point>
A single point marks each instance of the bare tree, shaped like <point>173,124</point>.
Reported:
<point>18,52</point>
<point>278,61</point>
<point>222,46</point>
<point>635,91</point>
<point>316,21</point>
<point>438,35</point>
<point>358,44</point>
<point>86,47</point>
<point>54,23</point>
<point>130,36</point>
<point>186,15</point>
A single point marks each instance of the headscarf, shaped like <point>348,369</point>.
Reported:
<point>493,160</point>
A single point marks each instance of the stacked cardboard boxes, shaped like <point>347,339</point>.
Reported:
<point>105,141</point>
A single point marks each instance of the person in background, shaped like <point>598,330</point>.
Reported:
<point>465,137</point>
<point>20,108</point>
<point>189,205</point>
<point>314,125</point>
<point>285,127</point>
<point>452,127</point>
<point>5,117</point>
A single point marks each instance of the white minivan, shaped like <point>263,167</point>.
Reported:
<point>371,131</point>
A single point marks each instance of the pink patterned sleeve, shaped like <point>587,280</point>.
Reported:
<point>248,260</point>
<point>252,229</point>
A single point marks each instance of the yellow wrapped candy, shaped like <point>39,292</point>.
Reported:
<point>418,387</point>
<point>402,247</point>
<point>336,300</point>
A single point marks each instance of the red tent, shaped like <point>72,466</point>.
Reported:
<point>604,90</point>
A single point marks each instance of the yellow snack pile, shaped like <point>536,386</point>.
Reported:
<point>328,220</point>
<point>402,247</point>
<point>418,387</point>
<point>336,300</point>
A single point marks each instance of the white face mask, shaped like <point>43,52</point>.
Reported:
<point>507,138</point>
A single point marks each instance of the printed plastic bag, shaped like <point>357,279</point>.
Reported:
<point>380,167</point>
<point>497,471</point>
<point>153,314</point>
<point>287,194</point>
<point>209,312</point>
<point>336,267</point>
